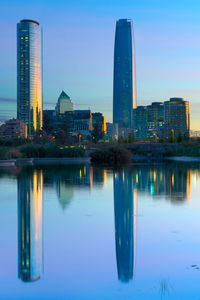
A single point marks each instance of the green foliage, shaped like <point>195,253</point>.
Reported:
<point>31,151</point>
<point>5,153</point>
<point>111,155</point>
<point>97,133</point>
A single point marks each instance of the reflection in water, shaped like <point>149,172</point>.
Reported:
<point>30,193</point>
<point>125,200</point>
<point>170,180</point>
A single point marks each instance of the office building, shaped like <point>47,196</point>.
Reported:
<point>124,84</point>
<point>14,129</point>
<point>177,118</point>
<point>99,120</point>
<point>139,122</point>
<point>29,75</point>
<point>155,120</point>
<point>64,104</point>
<point>82,122</point>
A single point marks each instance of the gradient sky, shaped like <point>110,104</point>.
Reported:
<point>78,46</point>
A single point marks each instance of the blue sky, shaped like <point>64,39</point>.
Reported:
<point>78,42</point>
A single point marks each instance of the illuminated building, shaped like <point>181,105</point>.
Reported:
<point>82,122</point>
<point>125,205</point>
<point>29,75</point>
<point>177,117</point>
<point>64,104</point>
<point>139,122</point>
<point>124,86</point>
<point>14,129</point>
<point>30,194</point>
<point>155,120</point>
<point>99,120</point>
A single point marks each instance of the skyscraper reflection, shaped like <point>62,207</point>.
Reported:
<point>125,205</point>
<point>30,193</point>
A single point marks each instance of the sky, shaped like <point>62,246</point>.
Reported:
<point>78,48</point>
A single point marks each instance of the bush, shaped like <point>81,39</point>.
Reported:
<point>4,153</point>
<point>30,151</point>
<point>111,155</point>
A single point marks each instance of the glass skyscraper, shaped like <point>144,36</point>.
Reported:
<point>124,85</point>
<point>29,75</point>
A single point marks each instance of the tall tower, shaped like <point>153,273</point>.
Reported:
<point>124,84</point>
<point>29,75</point>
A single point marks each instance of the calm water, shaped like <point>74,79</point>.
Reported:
<point>82,232</point>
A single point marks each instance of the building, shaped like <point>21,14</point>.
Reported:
<point>139,122</point>
<point>124,84</point>
<point>30,197</point>
<point>155,120</point>
<point>99,120</point>
<point>177,118</point>
<point>14,129</point>
<point>82,122</point>
<point>29,75</point>
<point>109,130</point>
<point>64,104</point>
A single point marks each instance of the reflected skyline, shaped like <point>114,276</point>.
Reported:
<point>30,203</point>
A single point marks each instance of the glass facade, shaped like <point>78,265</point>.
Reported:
<point>177,117</point>
<point>124,85</point>
<point>29,75</point>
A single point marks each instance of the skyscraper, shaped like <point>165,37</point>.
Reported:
<point>124,85</point>
<point>29,75</point>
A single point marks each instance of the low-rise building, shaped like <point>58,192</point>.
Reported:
<point>82,123</point>
<point>14,129</point>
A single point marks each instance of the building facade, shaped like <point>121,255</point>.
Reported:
<point>139,122</point>
<point>177,118</point>
<point>29,75</point>
<point>14,129</point>
<point>124,83</point>
<point>64,104</point>
<point>99,120</point>
<point>155,120</point>
<point>82,122</point>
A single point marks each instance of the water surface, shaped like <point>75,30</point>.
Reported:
<point>85,232</point>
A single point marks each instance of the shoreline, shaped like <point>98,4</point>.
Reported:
<point>44,161</point>
<point>86,160</point>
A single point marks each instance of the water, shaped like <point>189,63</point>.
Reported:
<point>82,232</point>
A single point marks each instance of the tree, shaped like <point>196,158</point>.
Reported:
<point>171,136</point>
<point>61,137</point>
<point>179,138</point>
<point>97,132</point>
<point>40,137</point>
<point>131,138</point>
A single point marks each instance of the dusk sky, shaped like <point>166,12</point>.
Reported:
<point>78,46</point>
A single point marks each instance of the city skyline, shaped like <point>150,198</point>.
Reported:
<point>169,67</point>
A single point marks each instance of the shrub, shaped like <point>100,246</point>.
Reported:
<point>111,155</point>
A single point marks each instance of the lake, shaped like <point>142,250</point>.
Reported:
<point>86,232</point>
